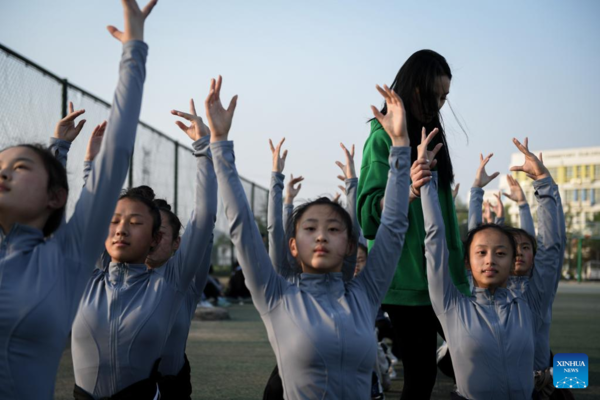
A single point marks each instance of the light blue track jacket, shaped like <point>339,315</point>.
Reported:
<point>127,310</point>
<point>42,279</point>
<point>321,329</point>
<point>491,337</point>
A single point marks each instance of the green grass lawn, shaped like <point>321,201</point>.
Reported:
<point>232,360</point>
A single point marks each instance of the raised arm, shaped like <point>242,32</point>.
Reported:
<point>498,209</point>
<point>201,276</point>
<point>476,197</point>
<point>291,191</point>
<point>87,228</point>
<point>351,183</point>
<point>265,285</point>
<point>383,258</point>
<point>196,239</point>
<point>275,229</point>
<point>549,240</point>
<point>517,195</point>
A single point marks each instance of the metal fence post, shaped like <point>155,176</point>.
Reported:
<point>65,98</point>
<point>176,178</point>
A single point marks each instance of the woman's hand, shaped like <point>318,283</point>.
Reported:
<point>95,142</point>
<point>488,218</point>
<point>533,167</point>
<point>66,128</point>
<point>420,171</point>
<point>481,177</point>
<point>394,121</point>
<point>134,21</point>
<point>219,118</point>
<point>278,160</point>
<point>516,193</point>
<point>197,128</point>
<point>291,190</point>
<point>455,191</point>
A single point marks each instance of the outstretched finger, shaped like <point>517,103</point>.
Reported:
<point>522,149</point>
<point>431,135</point>
<point>541,157</point>
<point>148,8</point>
<point>284,156</point>
<point>494,175</point>
<point>377,114</point>
<point>72,115</point>
<point>280,144</point>
<point>117,34</point>
<point>79,126</point>
<point>436,149</point>
<point>339,164</point>
<point>70,107</point>
<point>218,87</point>
<point>272,147</point>
<point>341,178</point>
<point>232,104</point>
<point>181,114</point>
<point>182,126</point>
<point>209,99</point>
<point>383,93</point>
<point>193,108</point>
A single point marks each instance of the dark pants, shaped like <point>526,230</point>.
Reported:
<point>177,387</point>
<point>142,390</point>
<point>416,328</point>
<point>274,388</point>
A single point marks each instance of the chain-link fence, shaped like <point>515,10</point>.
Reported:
<point>33,100</point>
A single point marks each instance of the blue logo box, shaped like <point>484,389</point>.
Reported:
<point>570,371</point>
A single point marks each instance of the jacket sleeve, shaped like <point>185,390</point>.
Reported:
<point>197,237</point>
<point>549,243</point>
<point>442,291</point>
<point>265,285</point>
<point>60,149</point>
<point>86,231</point>
<point>475,210</point>
<point>525,219</point>
<point>383,258</point>
<point>275,229</point>
<point>350,261</point>
<point>202,271</point>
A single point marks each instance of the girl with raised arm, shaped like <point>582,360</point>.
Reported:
<point>490,333</point>
<point>129,308</point>
<point>321,329</point>
<point>41,277</point>
<point>423,84</point>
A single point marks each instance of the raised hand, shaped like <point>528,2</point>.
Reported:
<point>336,197</point>
<point>278,160</point>
<point>516,193</point>
<point>95,142</point>
<point>481,177</point>
<point>423,153</point>
<point>533,167</point>
<point>66,128</point>
<point>219,118</point>
<point>488,218</point>
<point>455,191</point>
<point>498,207</point>
<point>348,168</point>
<point>394,121</point>
<point>291,190</point>
<point>197,128</point>
<point>420,171</point>
<point>134,21</point>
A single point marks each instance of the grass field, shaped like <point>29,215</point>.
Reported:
<point>231,360</point>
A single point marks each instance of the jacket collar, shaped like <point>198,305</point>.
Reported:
<point>126,274</point>
<point>318,284</point>
<point>20,238</point>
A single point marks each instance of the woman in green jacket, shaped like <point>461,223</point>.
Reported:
<point>422,83</point>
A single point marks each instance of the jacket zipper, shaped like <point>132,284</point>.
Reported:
<point>114,328</point>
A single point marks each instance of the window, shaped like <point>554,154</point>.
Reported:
<point>569,173</point>
<point>575,195</point>
<point>583,194</point>
<point>596,171</point>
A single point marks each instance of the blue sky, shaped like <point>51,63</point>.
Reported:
<point>307,70</point>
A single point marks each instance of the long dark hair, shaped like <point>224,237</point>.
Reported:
<point>420,74</point>
<point>57,179</point>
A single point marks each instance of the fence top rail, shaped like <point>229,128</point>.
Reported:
<point>64,81</point>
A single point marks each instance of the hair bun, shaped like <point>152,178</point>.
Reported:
<point>162,204</point>
<point>142,191</point>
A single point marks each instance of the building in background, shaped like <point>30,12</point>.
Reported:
<point>577,173</point>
